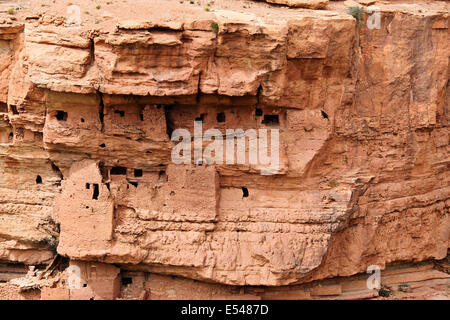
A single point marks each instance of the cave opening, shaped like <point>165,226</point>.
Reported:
<point>170,126</point>
<point>96,191</point>
<point>271,119</point>
<point>244,192</point>
<point>103,171</point>
<point>138,173</point>
<point>38,179</point>
<point>324,115</point>
<point>118,171</point>
<point>221,117</point>
<point>61,115</point>
<point>14,109</point>
<point>120,112</point>
<point>3,107</point>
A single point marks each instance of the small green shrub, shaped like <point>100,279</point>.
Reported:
<point>10,11</point>
<point>215,27</point>
<point>357,13</point>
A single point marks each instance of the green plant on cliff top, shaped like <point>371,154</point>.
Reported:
<point>10,11</point>
<point>357,13</point>
<point>215,27</point>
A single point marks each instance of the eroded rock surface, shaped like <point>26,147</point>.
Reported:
<point>87,113</point>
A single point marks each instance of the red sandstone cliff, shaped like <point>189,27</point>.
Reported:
<point>86,115</point>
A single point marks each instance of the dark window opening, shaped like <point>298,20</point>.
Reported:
<point>11,134</point>
<point>324,115</point>
<point>3,107</point>
<point>258,112</point>
<point>84,285</point>
<point>142,116</point>
<point>138,172</point>
<point>82,119</point>
<point>14,109</point>
<point>162,176</point>
<point>221,117</point>
<point>101,116</point>
<point>170,126</point>
<point>38,179</point>
<point>55,169</point>
<point>122,113</point>
<point>38,136</point>
<point>126,281</point>
<point>103,145</point>
<point>134,183</point>
<point>244,192</point>
<point>96,192</point>
<point>107,185</point>
<point>201,118</point>
<point>88,186</point>
<point>118,171</point>
<point>104,171</point>
<point>148,151</point>
<point>271,119</point>
<point>61,116</point>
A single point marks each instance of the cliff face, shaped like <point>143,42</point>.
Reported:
<point>87,113</point>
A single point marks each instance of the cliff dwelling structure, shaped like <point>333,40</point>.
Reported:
<point>273,149</point>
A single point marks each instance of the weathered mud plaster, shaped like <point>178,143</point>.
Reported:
<point>86,117</point>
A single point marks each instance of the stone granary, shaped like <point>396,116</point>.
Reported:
<point>90,99</point>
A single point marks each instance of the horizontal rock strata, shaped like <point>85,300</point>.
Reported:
<point>87,114</point>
